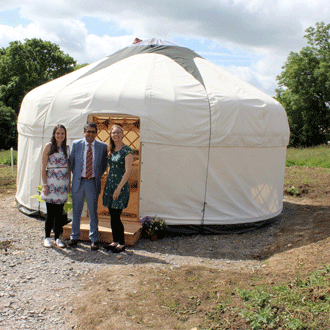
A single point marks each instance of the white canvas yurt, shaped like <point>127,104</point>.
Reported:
<point>209,148</point>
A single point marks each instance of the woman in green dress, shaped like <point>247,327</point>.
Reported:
<point>116,190</point>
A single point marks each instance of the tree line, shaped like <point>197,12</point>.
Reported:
<point>303,85</point>
<point>304,89</point>
<point>24,66</point>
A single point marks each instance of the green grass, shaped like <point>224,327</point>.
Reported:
<point>7,179</point>
<point>302,304</point>
<point>5,157</point>
<point>309,157</point>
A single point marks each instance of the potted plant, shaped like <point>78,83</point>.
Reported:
<point>153,227</point>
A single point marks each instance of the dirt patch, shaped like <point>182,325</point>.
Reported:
<point>311,185</point>
<point>205,297</point>
<point>193,297</point>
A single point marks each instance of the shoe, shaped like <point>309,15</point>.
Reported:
<point>110,247</point>
<point>59,243</point>
<point>118,249</point>
<point>95,246</point>
<point>47,242</point>
<point>73,243</point>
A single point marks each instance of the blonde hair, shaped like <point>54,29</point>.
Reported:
<point>112,144</point>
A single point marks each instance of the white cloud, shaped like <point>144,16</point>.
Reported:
<point>9,33</point>
<point>276,24</point>
<point>72,33</point>
<point>263,31</point>
<point>99,47</point>
<point>263,82</point>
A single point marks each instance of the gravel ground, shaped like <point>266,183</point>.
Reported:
<point>37,284</point>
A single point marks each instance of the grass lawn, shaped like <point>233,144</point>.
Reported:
<point>308,157</point>
<point>7,180</point>
<point>5,157</point>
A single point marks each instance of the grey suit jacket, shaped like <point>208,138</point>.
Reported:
<point>76,162</point>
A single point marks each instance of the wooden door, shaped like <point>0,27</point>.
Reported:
<point>131,126</point>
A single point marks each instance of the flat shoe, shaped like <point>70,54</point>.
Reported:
<point>110,247</point>
<point>59,243</point>
<point>118,249</point>
<point>73,243</point>
<point>47,243</point>
<point>95,246</point>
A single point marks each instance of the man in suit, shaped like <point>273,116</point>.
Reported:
<point>87,161</point>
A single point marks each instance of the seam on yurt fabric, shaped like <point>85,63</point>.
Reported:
<point>208,161</point>
<point>42,139</point>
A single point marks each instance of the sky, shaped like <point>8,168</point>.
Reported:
<point>249,38</point>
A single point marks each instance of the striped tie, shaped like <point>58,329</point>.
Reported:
<point>89,161</point>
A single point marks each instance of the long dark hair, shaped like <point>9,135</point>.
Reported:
<point>53,146</point>
<point>112,144</point>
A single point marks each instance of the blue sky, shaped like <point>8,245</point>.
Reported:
<point>249,38</point>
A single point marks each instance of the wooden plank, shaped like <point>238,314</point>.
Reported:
<point>132,230</point>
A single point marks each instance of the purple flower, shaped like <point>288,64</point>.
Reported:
<point>146,221</point>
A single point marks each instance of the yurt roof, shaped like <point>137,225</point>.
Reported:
<point>181,98</point>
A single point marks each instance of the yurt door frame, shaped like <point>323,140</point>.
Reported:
<point>131,126</point>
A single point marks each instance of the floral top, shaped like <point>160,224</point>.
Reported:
<point>117,170</point>
<point>57,178</point>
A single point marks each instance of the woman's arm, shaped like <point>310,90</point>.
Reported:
<point>128,169</point>
<point>68,152</point>
<point>72,157</point>
<point>44,161</point>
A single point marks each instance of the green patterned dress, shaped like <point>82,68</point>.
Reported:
<point>117,170</point>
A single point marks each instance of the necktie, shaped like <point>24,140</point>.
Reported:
<point>89,161</point>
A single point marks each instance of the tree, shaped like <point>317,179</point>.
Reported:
<point>304,89</point>
<point>79,66</point>
<point>24,66</point>
<point>8,135</point>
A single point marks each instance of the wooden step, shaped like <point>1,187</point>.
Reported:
<point>132,230</point>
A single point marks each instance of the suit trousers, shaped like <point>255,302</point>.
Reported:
<point>86,189</point>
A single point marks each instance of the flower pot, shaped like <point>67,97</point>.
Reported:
<point>154,237</point>
<point>160,234</point>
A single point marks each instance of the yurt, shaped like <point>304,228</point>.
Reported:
<point>209,149</point>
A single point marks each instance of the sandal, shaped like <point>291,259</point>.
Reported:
<point>118,249</point>
<point>111,247</point>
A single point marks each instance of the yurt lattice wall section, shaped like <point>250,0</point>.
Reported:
<point>131,126</point>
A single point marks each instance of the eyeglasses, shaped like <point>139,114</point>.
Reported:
<point>91,132</point>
